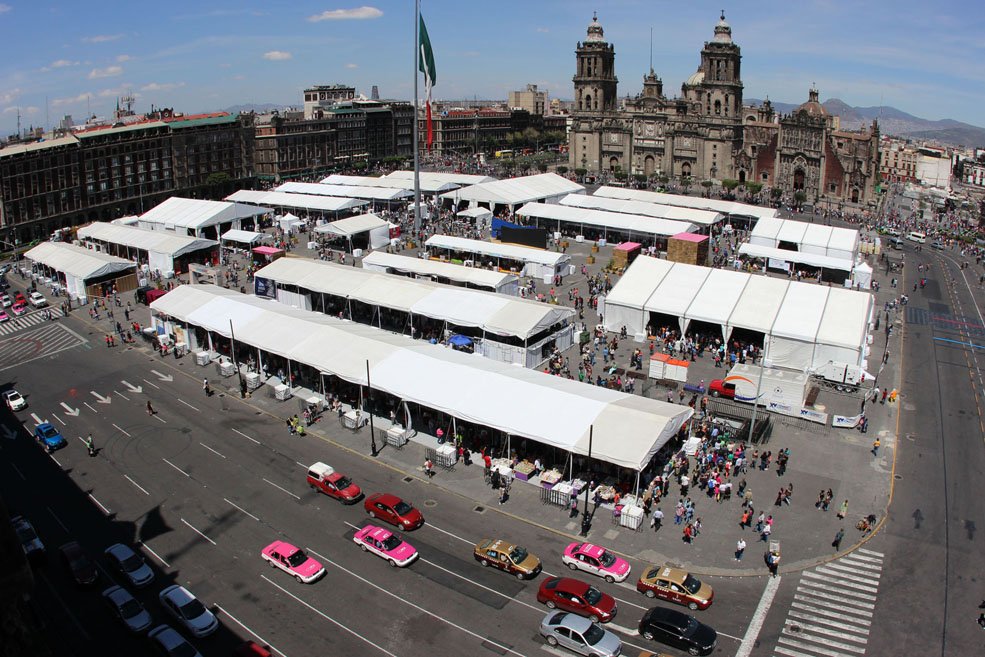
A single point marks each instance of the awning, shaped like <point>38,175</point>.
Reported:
<point>77,261</point>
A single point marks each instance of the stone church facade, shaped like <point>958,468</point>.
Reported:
<point>707,132</point>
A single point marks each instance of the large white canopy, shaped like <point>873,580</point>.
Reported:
<point>428,185</point>
<point>628,429</point>
<point>493,313</point>
<point>805,325</point>
<point>475,213</point>
<point>814,239</point>
<point>353,225</point>
<point>548,215</point>
<point>345,191</point>
<point>512,251</point>
<point>483,278</point>
<point>695,202</point>
<point>192,213</point>
<point>516,191</point>
<point>647,209</point>
<point>152,241</point>
<point>810,259</point>
<point>243,236</point>
<point>440,178</point>
<point>297,201</point>
<point>80,262</point>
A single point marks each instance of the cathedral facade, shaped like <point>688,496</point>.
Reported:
<point>707,132</point>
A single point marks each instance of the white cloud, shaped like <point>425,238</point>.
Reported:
<point>357,14</point>
<point>101,38</point>
<point>75,100</point>
<point>277,55</point>
<point>62,63</point>
<point>4,8</point>
<point>350,65</point>
<point>108,72</point>
<point>543,30</point>
<point>165,86</point>
<point>7,97</point>
<point>123,58</point>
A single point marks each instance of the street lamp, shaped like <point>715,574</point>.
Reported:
<point>586,522</point>
<point>372,432</point>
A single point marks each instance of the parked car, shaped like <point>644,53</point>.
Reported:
<point>252,649</point>
<point>129,564</point>
<point>675,585</point>
<point>19,308</point>
<point>579,635</point>
<point>578,597</point>
<point>127,608</point>
<point>937,244</point>
<point>508,557</point>
<point>168,642</point>
<point>386,545</point>
<point>6,301</point>
<point>390,508</point>
<point>15,401</point>
<point>677,629</point>
<point>78,564</point>
<point>30,543</point>
<point>324,478</point>
<point>4,317</point>
<point>49,437</point>
<point>596,560</point>
<point>190,612</point>
<point>37,300</point>
<point>293,561</point>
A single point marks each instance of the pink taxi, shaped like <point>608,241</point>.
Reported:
<point>293,561</point>
<point>596,560</point>
<point>386,545</point>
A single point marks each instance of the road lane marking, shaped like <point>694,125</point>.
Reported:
<point>212,450</point>
<point>225,612</point>
<point>327,617</point>
<point>302,464</point>
<point>786,631</point>
<point>198,532</point>
<point>121,395</point>
<point>283,489</point>
<point>58,520</point>
<point>759,617</point>
<point>176,467</point>
<point>156,555</point>
<point>247,437</point>
<point>445,531</point>
<point>243,510</point>
<point>90,407</point>
<point>152,384</point>
<point>123,431</point>
<point>438,617</point>
<point>99,504</point>
<point>807,604</point>
<point>37,420</point>
<point>159,418</point>
<point>871,552</point>
<point>182,401</point>
<point>844,583</point>
<point>55,460</point>
<point>127,477</point>
<point>18,471</point>
<point>60,420</point>
<point>833,601</point>
<point>827,621</point>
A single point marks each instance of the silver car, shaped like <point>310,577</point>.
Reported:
<point>127,608</point>
<point>580,635</point>
<point>180,603</point>
<point>130,564</point>
<point>172,644</point>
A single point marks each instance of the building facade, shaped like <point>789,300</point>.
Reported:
<point>325,96</point>
<point>291,147</point>
<point>708,133</point>
<point>531,99</point>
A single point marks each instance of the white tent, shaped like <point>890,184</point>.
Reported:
<point>429,185</point>
<point>477,214</point>
<point>493,281</point>
<point>378,229</point>
<point>308,202</point>
<point>732,208</point>
<point>380,194</point>
<point>809,239</point>
<point>783,256</point>
<point>559,217</point>
<point>431,178</point>
<point>247,237</point>
<point>644,208</point>
<point>862,276</point>
<point>628,429</point>
<point>537,262</point>
<point>198,217</point>
<point>161,248</point>
<point>546,187</point>
<point>77,264</point>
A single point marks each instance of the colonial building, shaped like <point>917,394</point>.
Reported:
<point>707,132</point>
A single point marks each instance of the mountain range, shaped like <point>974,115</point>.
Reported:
<point>896,123</point>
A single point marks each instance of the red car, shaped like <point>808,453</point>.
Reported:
<point>390,508</point>
<point>324,478</point>
<point>577,597</point>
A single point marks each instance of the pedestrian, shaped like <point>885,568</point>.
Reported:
<point>875,447</point>
<point>828,496</point>
<point>787,494</point>
<point>573,507</point>
<point>747,498</point>
<point>765,534</point>
<point>742,484</point>
<point>875,394</point>
<point>760,521</point>
<point>820,500</point>
<point>428,468</point>
<point>885,393</point>
<point>679,513</point>
<point>206,388</point>
<point>657,520</point>
<point>773,563</point>
<point>836,544</point>
<point>779,497</point>
<point>740,548</point>
<point>746,519</point>
<point>843,510</point>
<point>90,446</point>
<point>150,409</point>
<point>688,533</point>
<point>504,494</point>
<point>685,484</point>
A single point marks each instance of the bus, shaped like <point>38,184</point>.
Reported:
<point>915,236</point>
<point>506,153</point>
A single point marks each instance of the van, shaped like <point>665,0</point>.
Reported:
<point>916,236</point>
<point>896,243</point>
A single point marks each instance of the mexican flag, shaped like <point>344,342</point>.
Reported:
<point>425,63</point>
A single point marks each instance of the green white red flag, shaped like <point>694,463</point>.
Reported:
<point>425,63</point>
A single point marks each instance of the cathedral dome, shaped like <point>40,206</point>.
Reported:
<point>723,31</point>
<point>813,107</point>
<point>696,78</point>
<point>595,32</point>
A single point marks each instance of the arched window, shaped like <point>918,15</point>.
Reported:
<point>718,107</point>
<point>588,101</point>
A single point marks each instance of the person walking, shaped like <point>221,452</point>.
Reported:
<point>875,447</point>
<point>573,512</point>
<point>836,544</point>
<point>657,520</point>
<point>206,388</point>
<point>746,519</point>
<point>843,510</point>
<point>764,535</point>
<point>688,533</point>
<point>150,409</point>
<point>685,484</point>
<point>90,446</point>
<point>740,549</point>
<point>428,468</point>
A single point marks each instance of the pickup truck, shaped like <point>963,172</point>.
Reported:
<point>37,300</point>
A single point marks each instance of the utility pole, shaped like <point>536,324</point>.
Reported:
<point>586,521</point>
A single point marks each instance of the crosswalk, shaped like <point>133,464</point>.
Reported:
<point>831,612</point>
<point>32,318</point>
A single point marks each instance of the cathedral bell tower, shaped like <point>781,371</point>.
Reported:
<point>595,79</point>
<point>717,84</point>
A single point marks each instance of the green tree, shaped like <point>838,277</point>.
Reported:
<point>776,193</point>
<point>686,183</point>
<point>754,187</point>
<point>728,184</point>
<point>531,136</point>
<point>217,178</point>
<point>706,184</point>
<point>640,178</point>
<point>799,197</point>
<point>620,175</point>
<point>580,173</point>
<point>542,167</point>
<point>525,167</point>
<point>562,169</point>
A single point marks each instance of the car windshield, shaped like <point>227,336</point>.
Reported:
<point>691,584</point>
<point>652,573</point>
<point>594,634</point>
<point>49,432</point>
<point>593,595</point>
<point>606,558</point>
<point>26,533</point>
<point>183,649</point>
<point>343,483</point>
<point>131,563</point>
<point>402,508</point>
<point>692,626</point>
<point>297,558</point>
<point>192,609</point>
<point>518,555</point>
<point>391,543</point>
<point>130,608</point>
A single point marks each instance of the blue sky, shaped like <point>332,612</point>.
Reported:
<point>923,58</point>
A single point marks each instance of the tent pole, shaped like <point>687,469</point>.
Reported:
<point>637,483</point>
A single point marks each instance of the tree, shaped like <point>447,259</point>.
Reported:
<point>640,178</point>
<point>562,169</point>
<point>663,179</point>
<point>776,193</point>
<point>686,183</point>
<point>799,197</point>
<point>706,184</point>
<point>754,188</point>
<point>525,167</point>
<point>620,175</point>
<point>729,184</point>
<point>580,173</point>
<point>542,167</point>
<point>531,136</point>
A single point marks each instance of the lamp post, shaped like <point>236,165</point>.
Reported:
<point>232,339</point>
<point>372,432</point>
<point>586,522</point>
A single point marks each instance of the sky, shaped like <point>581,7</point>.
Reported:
<point>72,58</point>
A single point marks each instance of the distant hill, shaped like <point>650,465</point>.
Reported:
<point>896,122</point>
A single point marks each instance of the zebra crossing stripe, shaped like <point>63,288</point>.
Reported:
<point>872,552</point>
<point>863,566</point>
<point>849,571</point>
<point>828,577</point>
<point>820,619</point>
<point>876,561</point>
<point>815,650</point>
<point>806,606</point>
<point>836,601</point>
<point>830,632</point>
<point>822,640</point>
<point>783,650</point>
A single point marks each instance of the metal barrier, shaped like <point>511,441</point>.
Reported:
<point>555,498</point>
<point>443,461</point>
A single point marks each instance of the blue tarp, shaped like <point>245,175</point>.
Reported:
<point>457,340</point>
<point>498,224</point>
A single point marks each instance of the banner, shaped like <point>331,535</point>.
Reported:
<point>845,422</point>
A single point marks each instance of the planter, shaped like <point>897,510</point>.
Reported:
<point>595,248</point>
<point>591,259</point>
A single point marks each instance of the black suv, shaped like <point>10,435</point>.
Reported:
<point>675,628</point>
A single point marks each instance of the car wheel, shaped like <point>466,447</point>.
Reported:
<point>363,547</point>
<point>551,604</point>
<point>610,579</point>
<point>551,640</point>
<point>692,605</point>
<point>649,593</point>
<point>714,393</point>
<point>593,618</point>
<point>648,635</point>
<point>372,514</point>
<point>572,566</point>
<point>393,563</point>
<point>298,578</point>
<point>693,650</point>
<point>484,562</point>
<point>272,564</point>
<point>519,575</point>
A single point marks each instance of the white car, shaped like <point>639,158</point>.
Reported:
<point>171,643</point>
<point>130,564</point>
<point>37,300</point>
<point>6,301</point>
<point>15,401</point>
<point>180,603</point>
<point>126,607</point>
<point>30,543</point>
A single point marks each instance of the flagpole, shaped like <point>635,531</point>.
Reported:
<point>417,143</point>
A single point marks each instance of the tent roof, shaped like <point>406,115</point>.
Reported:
<point>453,272</point>
<point>514,191</point>
<point>811,259</point>
<point>428,185</point>
<point>647,209</point>
<point>761,300</point>
<point>628,429</point>
<point>695,202</point>
<point>800,315</point>
<point>155,241</point>
<point>198,213</point>
<point>812,238</point>
<point>353,225</point>
<point>846,318</point>
<point>286,200</point>
<point>717,297</point>
<point>476,212</point>
<point>435,178</point>
<point>523,253</point>
<point>493,313</point>
<point>345,191</point>
<point>242,236</point>
<point>639,282</point>
<point>603,219</point>
<point>677,290</point>
<point>77,261</point>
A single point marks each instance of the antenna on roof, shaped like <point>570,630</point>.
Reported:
<point>651,49</point>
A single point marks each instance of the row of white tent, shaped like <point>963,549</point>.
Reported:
<point>628,429</point>
<point>538,263</point>
<point>559,217</point>
<point>701,218</point>
<point>817,239</point>
<point>77,265</point>
<point>161,247</point>
<point>732,208</point>
<point>805,325</point>
<point>514,192</point>
<point>308,202</point>
<point>188,216</point>
<point>494,281</point>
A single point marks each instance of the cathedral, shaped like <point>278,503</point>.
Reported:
<point>708,134</point>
